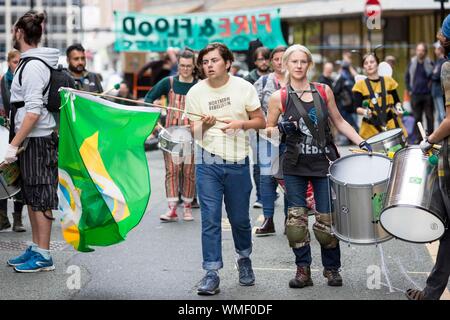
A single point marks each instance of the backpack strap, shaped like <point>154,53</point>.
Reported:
<point>320,87</point>
<point>22,66</point>
<point>264,80</point>
<point>284,97</point>
<point>171,82</point>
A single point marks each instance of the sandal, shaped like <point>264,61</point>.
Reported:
<point>413,294</point>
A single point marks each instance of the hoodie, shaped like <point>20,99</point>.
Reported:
<point>35,77</point>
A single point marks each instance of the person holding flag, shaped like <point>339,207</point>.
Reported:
<point>34,129</point>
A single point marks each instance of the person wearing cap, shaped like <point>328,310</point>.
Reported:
<point>438,279</point>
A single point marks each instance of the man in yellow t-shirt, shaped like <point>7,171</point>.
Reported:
<point>229,106</point>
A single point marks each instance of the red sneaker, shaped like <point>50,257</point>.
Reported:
<point>169,216</point>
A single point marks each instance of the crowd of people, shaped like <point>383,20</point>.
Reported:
<point>275,110</point>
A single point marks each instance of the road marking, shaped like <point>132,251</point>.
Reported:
<point>281,269</point>
<point>433,250</point>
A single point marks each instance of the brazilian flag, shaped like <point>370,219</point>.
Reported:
<point>104,180</point>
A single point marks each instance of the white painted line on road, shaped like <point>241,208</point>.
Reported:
<point>280,269</point>
<point>433,250</point>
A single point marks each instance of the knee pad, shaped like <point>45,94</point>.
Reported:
<point>322,231</point>
<point>297,227</point>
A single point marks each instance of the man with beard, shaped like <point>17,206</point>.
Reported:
<point>261,58</point>
<point>84,80</point>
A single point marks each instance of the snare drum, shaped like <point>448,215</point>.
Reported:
<point>9,173</point>
<point>411,212</point>
<point>359,183</point>
<point>176,140</point>
<point>388,141</point>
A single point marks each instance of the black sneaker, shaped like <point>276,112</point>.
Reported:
<point>209,285</point>
<point>195,204</point>
<point>246,275</point>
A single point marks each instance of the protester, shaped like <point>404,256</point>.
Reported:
<point>84,80</point>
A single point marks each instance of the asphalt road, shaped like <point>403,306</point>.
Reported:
<point>163,261</point>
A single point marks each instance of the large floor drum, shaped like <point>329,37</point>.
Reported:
<point>359,182</point>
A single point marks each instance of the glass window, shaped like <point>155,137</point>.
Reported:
<point>331,41</point>
<point>2,22</point>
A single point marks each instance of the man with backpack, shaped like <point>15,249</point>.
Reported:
<point>33,126</point>
<point>84,80</point>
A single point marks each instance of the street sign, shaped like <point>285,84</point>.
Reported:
<point>372,8</point>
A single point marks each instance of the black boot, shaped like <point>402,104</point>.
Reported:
<point>4,221</point>
<point>267,228</point>
<point>17,223</point>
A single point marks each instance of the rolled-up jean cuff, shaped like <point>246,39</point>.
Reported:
<point>216,265</point>
<point>244,253</point>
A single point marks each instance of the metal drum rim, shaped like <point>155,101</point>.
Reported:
<point>359,242</point>
<point>411,206</point>
<point>357,185</point>
<point>11,195</point>
<point>399,133</point>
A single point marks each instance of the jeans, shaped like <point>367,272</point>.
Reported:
<point>231,183</point>
<point>268,184</point>
<point>296,187</point>
<point>440,108</point>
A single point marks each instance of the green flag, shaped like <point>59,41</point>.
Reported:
<point>104,180</point>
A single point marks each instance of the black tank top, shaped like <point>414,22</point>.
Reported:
<point>303,155</point>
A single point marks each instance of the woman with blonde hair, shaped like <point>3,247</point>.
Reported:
<point>306,109</point>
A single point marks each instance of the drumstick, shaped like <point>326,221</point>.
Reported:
<point>144,103</point>
<point>354,150</point>
<point>424,135</point>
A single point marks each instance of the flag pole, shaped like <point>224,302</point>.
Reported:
<point>141,102</point>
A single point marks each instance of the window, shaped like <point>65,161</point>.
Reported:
<point>2,22</point>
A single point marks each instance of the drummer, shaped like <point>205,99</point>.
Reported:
<point>310,148</point>
<point>176,88</point>
<point>438,279</point>
<point>376,99</point>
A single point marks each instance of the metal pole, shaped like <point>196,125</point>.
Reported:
<point>81,22</point>
<point>31,4</point>
<point>442,11</point>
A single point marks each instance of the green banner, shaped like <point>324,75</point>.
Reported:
<point>141,32</point>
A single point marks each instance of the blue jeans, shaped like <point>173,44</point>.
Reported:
<point>268,184</point>
<point>440,108</point>
<point>231,183</point>
<point>254,144</point>
<point>296,191</point>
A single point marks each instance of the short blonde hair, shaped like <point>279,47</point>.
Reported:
<point>12,54</point>
<point>289,52</point>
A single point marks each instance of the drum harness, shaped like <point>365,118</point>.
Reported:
<point>381,121</point>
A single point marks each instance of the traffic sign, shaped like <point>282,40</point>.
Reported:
<point>372,8</point>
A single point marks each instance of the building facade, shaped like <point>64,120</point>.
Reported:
<point>63,21</point>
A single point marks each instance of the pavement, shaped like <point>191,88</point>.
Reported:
<point>163,261</point>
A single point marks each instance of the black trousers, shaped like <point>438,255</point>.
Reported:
<point>438,279</point>
<point>421,103</point>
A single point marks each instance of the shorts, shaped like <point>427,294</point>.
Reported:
<point>39,173</point>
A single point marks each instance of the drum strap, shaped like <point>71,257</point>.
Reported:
<point>446,160</point>
<point>317,131</point>
<point>381,111</point>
